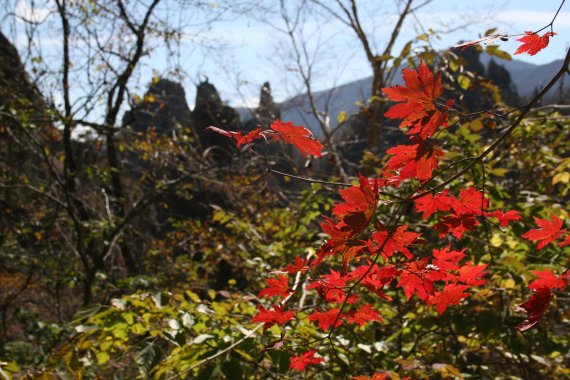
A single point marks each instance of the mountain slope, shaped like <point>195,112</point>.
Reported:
<point>527,76</point>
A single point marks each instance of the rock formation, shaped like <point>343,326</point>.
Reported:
<point>16,89</point>
<point>163,109</point>
<point>266,112</point>
<point>210,111</point>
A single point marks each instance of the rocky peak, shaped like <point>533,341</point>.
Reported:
<point>266,112</point>
<point>16,89</point>
<point>210,111</point>
<point>163,108</point>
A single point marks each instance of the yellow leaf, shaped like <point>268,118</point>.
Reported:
<point>561,178</point>
<point>464,82</point>
<point>476,125</point>
<point>406,50</point>
<point>341,117</point>
<point>102,357</point>
<point>509,283</point>
<point>499,172</point>
<point>193,296</point>
<point>428,56</point>
<point>149,98</point>
<point>496,240</point>
<point>453,65</point>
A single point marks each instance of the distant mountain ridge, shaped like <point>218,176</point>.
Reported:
<point>527,77</point>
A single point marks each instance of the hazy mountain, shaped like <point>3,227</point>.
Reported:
<point>528,78</point>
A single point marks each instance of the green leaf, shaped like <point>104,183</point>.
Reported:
<point>102,357</point>
<point>464,82</point>
<point>499,172</point>
<point>7,370</point>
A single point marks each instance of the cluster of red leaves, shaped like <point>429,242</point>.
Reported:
<point>420,116</point>
<point>536,306</point>
<point>298,136</point>
<point>459,215</point>
<point>376,256</point>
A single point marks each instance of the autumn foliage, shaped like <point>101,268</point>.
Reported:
<point>425,236</point>
<point>363,256</point>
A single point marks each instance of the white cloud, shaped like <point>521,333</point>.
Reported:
<point>38,13</point>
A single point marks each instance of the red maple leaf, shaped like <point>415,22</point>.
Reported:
<point>330,286</point>
<point>428,125</point>
<point>418,95</point>
<point>238,136</point>
<point>457,225</point>
<point>364,314</point>
<point>277,316</point>
<point>358,208</point>
<point>277,287</point>
<point>504,217</point>
<point>416,278</point>
<point>418,98</point>
<point>377,277</point>
<point>532,43</point>
<point>472,274</point>
<point>400,240</point>
<point>547,279</point>
<point>327,319</point>
<point>362,198</point>
<point>446,259</point>
<point>471,201</point>
<point>414,161</point>
<point>430,204</point>
<point>547,233</point>
<point>535,307</point>
<point>451,294</point>
<point>300,362</point>
<point>298,136</point>
<point>300,265</point>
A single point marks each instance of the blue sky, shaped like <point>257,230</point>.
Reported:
<point>251,51</point>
